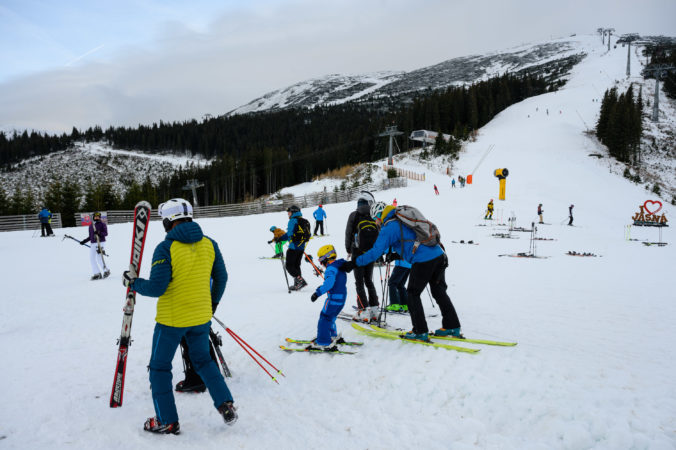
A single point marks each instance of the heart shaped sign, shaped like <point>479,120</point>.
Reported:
<point>655,202</point>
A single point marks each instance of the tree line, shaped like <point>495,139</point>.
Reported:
<point>259,153</point>
<point>619,124</point>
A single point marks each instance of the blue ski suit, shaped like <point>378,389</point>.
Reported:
<point>335,284</point>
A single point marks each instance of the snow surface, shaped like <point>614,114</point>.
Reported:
<point>594,368</point>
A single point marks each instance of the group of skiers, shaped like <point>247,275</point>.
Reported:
<point>490,207</point>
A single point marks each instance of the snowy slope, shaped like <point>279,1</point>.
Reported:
<point>594,367</point>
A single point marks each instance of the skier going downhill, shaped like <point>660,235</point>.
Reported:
<point>188,275</point>
<point>335,287</point>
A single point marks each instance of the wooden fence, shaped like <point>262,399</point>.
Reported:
<point>26,222</point>
<point>406,173</point>
<point>263,206</point>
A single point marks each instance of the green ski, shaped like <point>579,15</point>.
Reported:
<point>451,338</point>
<point>304,350</point>
<point>396,337</point>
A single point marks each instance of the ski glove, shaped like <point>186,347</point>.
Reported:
<point>392,257</point>
<point>129,276</point>
<point>271,241</point>
<point>347,266</point>
<point>83,242</point>
<point>314,297</point>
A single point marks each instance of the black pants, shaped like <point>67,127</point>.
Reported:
<point>397,285</point>
<point>293,259</point>
<point>431,272</point>
<point>46,227</point>
<point>570,220</point>
<point>363,276</point>
<point>319,224</point>
<point>191,376</point>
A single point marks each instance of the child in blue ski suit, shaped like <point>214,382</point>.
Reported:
<point>335,285</point>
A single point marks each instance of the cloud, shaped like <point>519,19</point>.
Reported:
<point>247,51</point>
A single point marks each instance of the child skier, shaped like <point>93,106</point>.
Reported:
<point>489,210</point>
<point>279,244</point>
<point>334,285</point>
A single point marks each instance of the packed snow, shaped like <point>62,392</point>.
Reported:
<point>594,365</point>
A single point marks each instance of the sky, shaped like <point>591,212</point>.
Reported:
<point>121,63</point>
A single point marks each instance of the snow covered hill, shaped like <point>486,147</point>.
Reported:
<point>594,367</point>
<point>94,162</point>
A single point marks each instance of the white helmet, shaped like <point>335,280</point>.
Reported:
<point>174,209</point>
<point>377,209</point>
<point>367,197</point>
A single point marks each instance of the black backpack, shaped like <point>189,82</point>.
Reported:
<point>302,233</point>
<point>366,235</point>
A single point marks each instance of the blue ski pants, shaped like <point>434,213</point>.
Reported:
<point>326,327</point>
<point>165,342</point>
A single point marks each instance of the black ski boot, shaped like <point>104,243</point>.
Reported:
<point>153,425</point>
<point>191,386</point>
<point>229,413</point>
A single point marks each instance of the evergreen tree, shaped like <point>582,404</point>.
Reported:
<point>4,207</point>
<point>70,203</point>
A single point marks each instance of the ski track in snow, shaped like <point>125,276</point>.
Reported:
<point>594,367</point>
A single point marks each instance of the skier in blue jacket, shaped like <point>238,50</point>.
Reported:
<point>45,217</point>
<point>335,286</point>
<point>319,216</point>
<point>297,240</point>
<point>428,266</point>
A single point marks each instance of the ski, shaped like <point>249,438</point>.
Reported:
<point>451,338</point>
<point>216,343</point>
<point>304,350</point>
<point>401,313</point>
<point>397,337</point>
<point>141,220</point>
<point>340,341</point>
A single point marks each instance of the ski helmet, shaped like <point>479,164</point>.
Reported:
<point>174,209</point>
<point>273,228</point>
<point>366,196</point>
<point>97,215</point>
<point>293,209</point>
<point>326,254</point>
<point>377,209</point>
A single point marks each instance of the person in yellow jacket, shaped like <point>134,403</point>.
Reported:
<point>188,275</point>
<point>489,210</point>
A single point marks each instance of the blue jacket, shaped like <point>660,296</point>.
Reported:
<point>402,263</point>
<point>334,282</point>
<point>290,228</point>
<point>45,215</point>
<point>160,272</point>
<point>319,214</point>
<point>391,236</point>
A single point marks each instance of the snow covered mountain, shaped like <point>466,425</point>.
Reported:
<point>594,365</point>
<point>553,58</point>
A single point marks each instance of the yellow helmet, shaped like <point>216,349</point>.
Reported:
<point>326,254</point>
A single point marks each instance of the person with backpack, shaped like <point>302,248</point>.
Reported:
<point>277,233</point>
<point>98,231</point>
<point>45,217</point>
<point>189,277</point>
<point>319,216</point>
<point>298,233</point>
<point>361,233</point>
<point>405,230</point>
<point>335,287</point>
<point>489,211</point>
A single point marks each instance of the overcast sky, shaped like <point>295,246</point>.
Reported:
<point>125,62</point>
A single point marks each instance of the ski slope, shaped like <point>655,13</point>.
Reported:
<point>594,367</point>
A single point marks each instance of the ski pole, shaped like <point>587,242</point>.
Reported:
<point>242,344</point>
<point>71,237</point>
<point>286,277</point>
<point>101,252</point>
<point>385,295</point>
<point>430,296</point>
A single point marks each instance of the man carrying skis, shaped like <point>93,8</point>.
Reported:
<point>319,216</point>
<point>298,234</point>
<point>334,286</point>
<point>188,275</point>
<point>428,266</point>
<point>97,236</point>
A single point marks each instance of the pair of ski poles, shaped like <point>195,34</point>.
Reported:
<point>246,347</point>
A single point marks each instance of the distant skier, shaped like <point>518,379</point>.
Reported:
<point>298,234</point>
<point>45,217</point>
<point>452,182</point>
<point>279,244</point>
<point>540,211</point>
<point>436,191</point>
<point>97,229</point>
<point>394,202</point>
<point>489,210</point>
<point>335,286</point>
<point>189,277</point>
<point>570,215</point>
<point>319,216</point>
